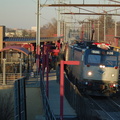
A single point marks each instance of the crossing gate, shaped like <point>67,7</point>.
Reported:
<point>20,99</point>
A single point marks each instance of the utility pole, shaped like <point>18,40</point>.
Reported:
<point>38,37</point>
<point>116,26</point>
<point>90,26</point>
<point>116,40</point>
<point>58,20</point>
<point>98,30</point>
<point>104,28</point>
<point>64,31</point>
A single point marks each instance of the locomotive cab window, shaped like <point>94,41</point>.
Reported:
<point>111,61</point>
<point>94,59</point>
<point>101,59</point>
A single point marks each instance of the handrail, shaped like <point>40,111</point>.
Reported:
<point>48,112</point>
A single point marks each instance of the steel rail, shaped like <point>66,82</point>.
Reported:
<point>101,108</point>
<point>114,102</point>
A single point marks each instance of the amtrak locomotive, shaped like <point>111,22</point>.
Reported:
<point>98,72</point>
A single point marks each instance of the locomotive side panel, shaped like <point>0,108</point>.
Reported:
<point>77,70</point>
<point>70,57</point>
<point>70,53</point>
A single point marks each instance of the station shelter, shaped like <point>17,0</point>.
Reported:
<point>18,54</point>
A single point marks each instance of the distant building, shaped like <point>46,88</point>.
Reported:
<point>19,33</point>
<point>34,28</point>
<point>10,34</point>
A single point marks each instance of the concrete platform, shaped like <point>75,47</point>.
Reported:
<point>34,103</point>
<point>54,97</point>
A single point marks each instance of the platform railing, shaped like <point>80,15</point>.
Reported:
<point>20,99</point>
<point>48,112</point>
<point>82,105</point>
<point>10,78</point>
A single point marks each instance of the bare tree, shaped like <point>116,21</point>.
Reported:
<point>109,26</point>
<point>49,29</point>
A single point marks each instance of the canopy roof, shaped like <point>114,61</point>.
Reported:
<point>29,40</point>
<point>18,48</point>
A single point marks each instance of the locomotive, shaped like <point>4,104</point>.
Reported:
<point>98,72</point>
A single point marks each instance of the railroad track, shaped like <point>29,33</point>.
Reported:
<point>106,108</point>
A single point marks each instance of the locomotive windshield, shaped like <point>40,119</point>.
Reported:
<point>111,60</point>
<point>105,59</point>
<point>96,59</point>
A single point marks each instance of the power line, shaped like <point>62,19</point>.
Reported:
<point>44,18</point>
<point>114,1</point>
<point>44,4</point>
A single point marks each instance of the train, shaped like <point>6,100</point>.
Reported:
<point>98,72</point>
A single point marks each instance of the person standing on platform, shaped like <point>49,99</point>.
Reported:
<point>34,69</point>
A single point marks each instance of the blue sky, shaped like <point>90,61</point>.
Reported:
<point>21,13</point>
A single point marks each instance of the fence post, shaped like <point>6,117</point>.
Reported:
<point>4,72</point>
<point>20,67</point>
<point>61,88</point>
<point>47,80</point>
<point>62,83</point>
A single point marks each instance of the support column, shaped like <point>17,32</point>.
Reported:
<point>20,67</point>
<point>4,72</point>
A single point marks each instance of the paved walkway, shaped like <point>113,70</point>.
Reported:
<point>54,98</point>
<point>34,103</point>
<point>34,100</point>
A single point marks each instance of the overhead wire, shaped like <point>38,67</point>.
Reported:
<point>114,1</point>
<point>44,4</point>
<point>34,1</point>
<point>44,18</point>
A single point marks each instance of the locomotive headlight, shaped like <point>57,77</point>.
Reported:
<point>114,85</point>
<point>89,73</point>
<point>86,83</point>
<point>102,66</point>
<point>113,75</point>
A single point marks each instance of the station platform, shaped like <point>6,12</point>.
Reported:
<point>34,103</point>
<point>54,98</point>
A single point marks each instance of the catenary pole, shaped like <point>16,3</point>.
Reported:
<point>38,37</point>
<point>58,20</point>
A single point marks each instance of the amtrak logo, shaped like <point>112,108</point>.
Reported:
<point>101,71</point>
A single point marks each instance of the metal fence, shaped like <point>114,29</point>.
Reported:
<point>20,99</point>
<point>82,105</point>
<point>11,72</point>
<point>48,112</point>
